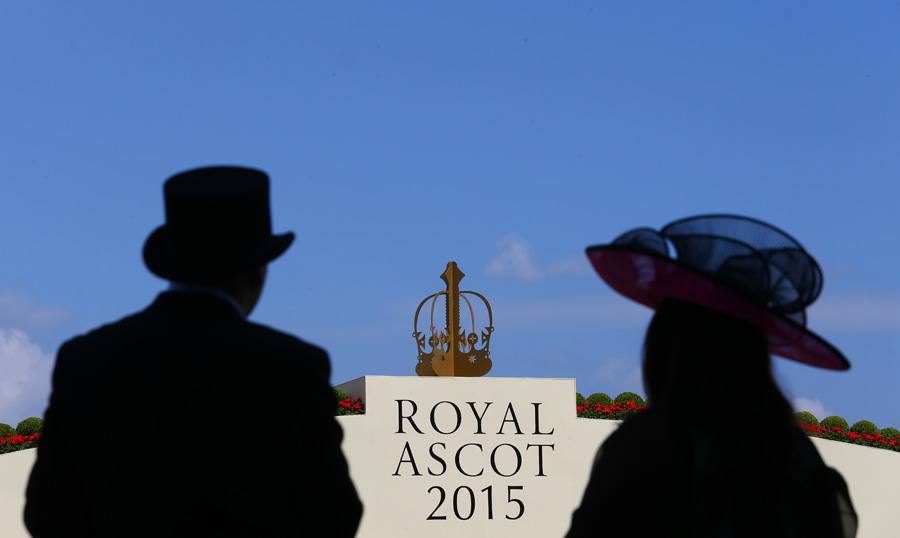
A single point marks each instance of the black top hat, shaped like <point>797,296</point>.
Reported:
<point>217,221</point>
<point>736,265</point>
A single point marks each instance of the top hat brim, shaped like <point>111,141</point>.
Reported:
<point>651,278</point>
<point>161,260</point>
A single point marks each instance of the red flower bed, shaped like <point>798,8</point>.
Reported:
<point>349,406</point>
<point>620,412</point>
<point>865,439</point>
<point>613,411</point>
<point>13,442</point>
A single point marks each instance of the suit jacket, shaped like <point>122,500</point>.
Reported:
<point>187,420</point>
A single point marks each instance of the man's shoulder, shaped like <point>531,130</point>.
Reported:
<point>143,326</point>
<point>146,321</point>
<point>103,334</point>
<point>278,341</point>
<point>301,361</point>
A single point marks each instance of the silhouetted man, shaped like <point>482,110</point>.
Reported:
<point>185,419</point>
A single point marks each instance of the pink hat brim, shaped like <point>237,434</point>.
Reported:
<point>648,279</point>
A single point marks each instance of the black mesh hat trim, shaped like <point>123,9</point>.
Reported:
<point>760,260</point>
<point>731,217</point>
<point>752,259</point>
<point>794,322</point>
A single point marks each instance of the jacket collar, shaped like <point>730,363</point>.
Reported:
<point>202,305</point>
<point>180,287</point>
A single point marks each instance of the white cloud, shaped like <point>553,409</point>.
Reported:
<point>856,313</point>
<point>573,265</point>
<point>17,310</point>
<point>608,311</point>
<point>816,407</point>
<point>849,313</point>
<point>514,260</point>
<point>615,376</point>
<point>24,376</point>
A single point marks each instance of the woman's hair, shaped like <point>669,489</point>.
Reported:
<point>712,368</point>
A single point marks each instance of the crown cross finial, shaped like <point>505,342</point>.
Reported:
<point>453,351</point>
<point>452,275</point>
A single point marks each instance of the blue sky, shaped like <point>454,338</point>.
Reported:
<point>506,136</point>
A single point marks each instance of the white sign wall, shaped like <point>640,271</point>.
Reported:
<point>467,478</point>
<point>399,499</point>
<point>452,456</point>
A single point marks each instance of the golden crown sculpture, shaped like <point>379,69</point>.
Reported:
<point>453,352</point>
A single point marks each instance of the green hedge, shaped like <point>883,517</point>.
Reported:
<point>805,417</point>
<point>835,422</point>
<point>600,398</point>
<point>865,426</point>
<point>6,430</point>
<point>626,397</point>
<point>29,426</point>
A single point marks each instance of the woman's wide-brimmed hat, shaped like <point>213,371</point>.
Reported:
<point>217,222</point>
<point>735,265</point>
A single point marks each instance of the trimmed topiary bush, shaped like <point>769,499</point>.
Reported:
<point>865,426</point>
<point>579,398</point>
<point>626,397</point>
<point>6,430</point>
<point>600,398</point>
<point>29,426</point>
<point>805,417</point>
<point>890,433</point>
<point>835,422</point>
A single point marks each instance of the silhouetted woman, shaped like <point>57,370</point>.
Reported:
<point>717,453</point>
